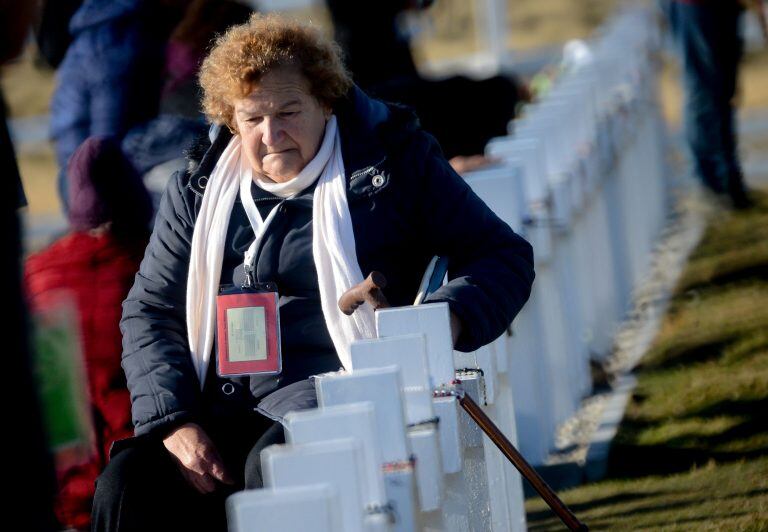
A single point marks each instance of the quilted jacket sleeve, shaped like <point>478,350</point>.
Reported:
<point>490,268</point>
<point>161,379</point>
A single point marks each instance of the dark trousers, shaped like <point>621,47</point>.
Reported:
<point>142,489</point>
<point>708,38</point>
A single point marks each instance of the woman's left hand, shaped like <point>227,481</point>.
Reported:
<point>197,457</point>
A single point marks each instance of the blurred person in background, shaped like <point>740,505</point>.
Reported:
<point>189,43</point>
<point>707,36</point>
<point>28,462</point>
<point>157,148</point>
<point>110,78</point>
<point>379,56</point>
<point>95,263</point>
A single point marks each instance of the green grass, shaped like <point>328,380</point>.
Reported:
<point>716,496</point>
<point>692,450</point>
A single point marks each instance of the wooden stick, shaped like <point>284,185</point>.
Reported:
<point>514,456</point>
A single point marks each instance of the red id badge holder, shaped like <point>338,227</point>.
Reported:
<point>248,330</point>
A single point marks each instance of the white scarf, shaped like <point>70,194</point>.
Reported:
<point>333,244</point>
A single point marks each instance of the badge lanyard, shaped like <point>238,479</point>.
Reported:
<point>247,318</point>
<point>259,226</point>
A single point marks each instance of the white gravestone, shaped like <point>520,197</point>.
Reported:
<point>339,463</point>
<point>380,386</point>
<point>297,509</point>
<point>432,320</point>
<point>409,353</point>
<point>425,446</point>
<point>446,411</point>
<point>354,420</point>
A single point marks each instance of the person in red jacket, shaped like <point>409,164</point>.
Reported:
<point>95,264</point>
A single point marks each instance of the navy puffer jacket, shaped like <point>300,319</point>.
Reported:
<point>110,79</point>
<point>407,205</point>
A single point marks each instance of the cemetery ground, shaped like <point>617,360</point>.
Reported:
<point>692,450</point>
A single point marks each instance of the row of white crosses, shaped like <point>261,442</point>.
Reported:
<point>582,178</point>
<point>385,452</point>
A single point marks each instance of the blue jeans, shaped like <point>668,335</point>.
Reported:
<point>708,38</point>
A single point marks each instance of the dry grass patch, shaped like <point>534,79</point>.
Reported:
<point>715,497</point>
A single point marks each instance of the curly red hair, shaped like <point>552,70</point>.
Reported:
<point>245,53</point>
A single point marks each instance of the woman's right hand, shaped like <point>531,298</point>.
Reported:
<point>197,457</point>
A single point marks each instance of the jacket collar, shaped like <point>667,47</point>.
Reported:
<point>367,127</point>
<point>360,119</point>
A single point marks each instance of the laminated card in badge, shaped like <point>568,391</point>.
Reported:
<point>248,332</point>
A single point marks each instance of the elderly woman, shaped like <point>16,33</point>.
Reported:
<point>309,185</point>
